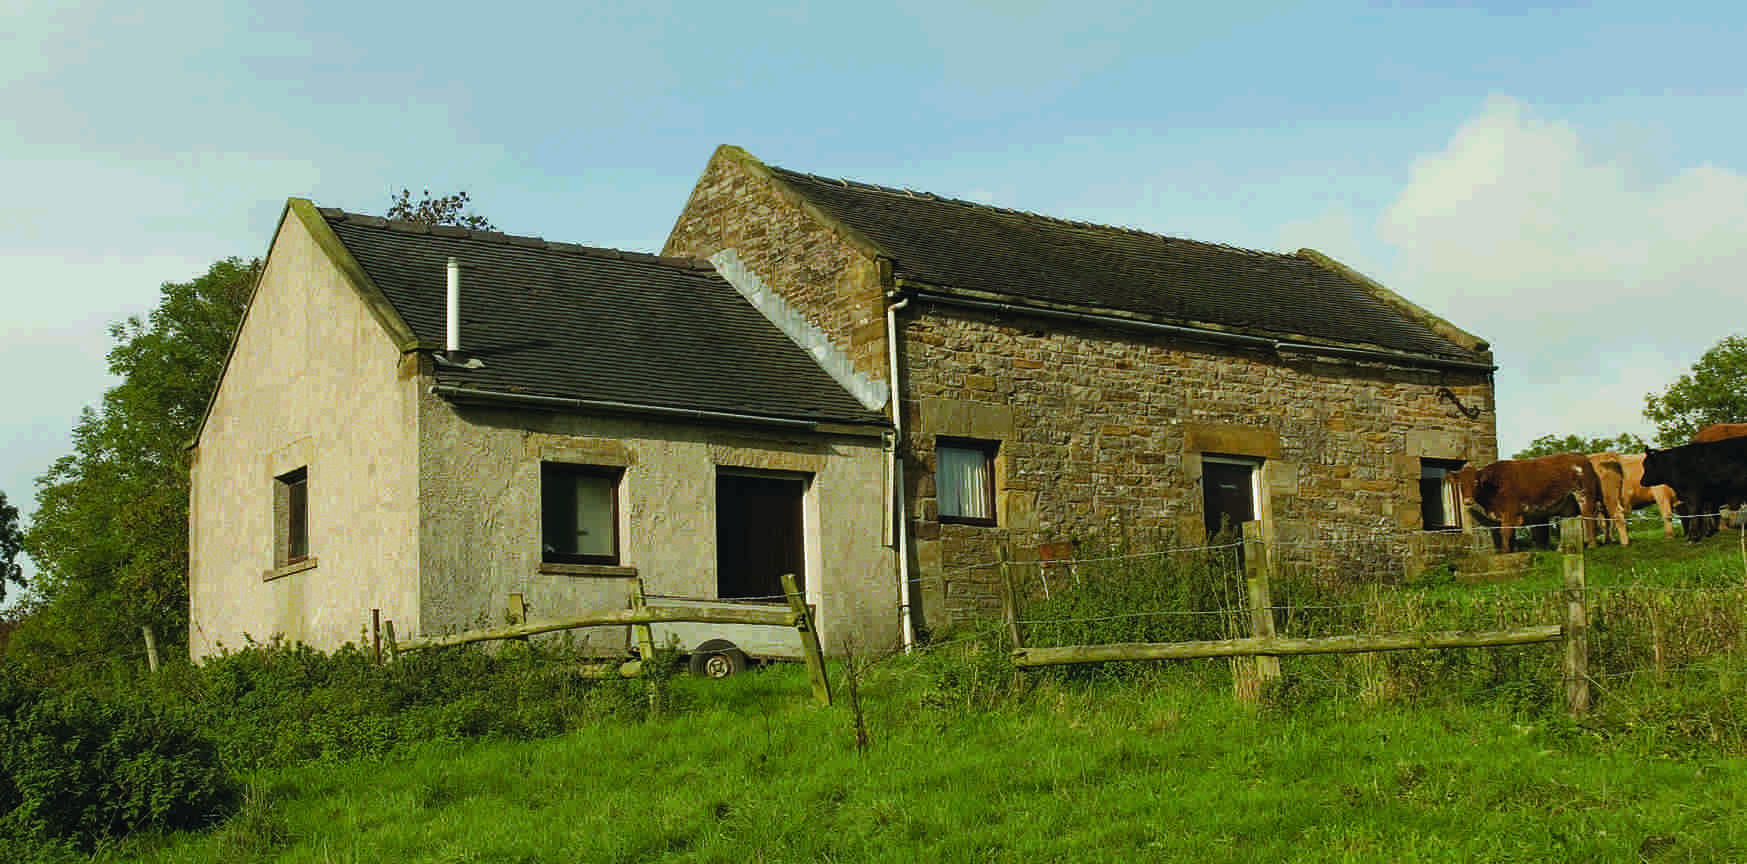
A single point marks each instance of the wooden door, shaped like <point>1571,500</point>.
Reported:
<point>759,535</point>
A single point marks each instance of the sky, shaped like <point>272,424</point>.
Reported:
<point>1569,181</point>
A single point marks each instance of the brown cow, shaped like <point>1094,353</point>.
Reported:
<point>1719,431</point>
<point>1612,475</point>
<point>1516,491</point>
<point>1623,491</point>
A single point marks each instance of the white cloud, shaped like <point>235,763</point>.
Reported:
<point>1595,282</point>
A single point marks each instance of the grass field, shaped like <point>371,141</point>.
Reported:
<point>1167,768</point>
<point>1474,762</point>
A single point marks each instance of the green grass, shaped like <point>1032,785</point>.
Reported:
<point>1411,756</point>
<point>1161,767</point>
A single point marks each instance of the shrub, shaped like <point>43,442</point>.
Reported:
<point>79,768</point>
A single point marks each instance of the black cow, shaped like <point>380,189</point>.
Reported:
<point>1706,476</point>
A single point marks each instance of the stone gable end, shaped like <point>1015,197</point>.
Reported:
<point>737,205</point>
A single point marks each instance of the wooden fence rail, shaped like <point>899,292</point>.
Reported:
<point>1264,646</point>
<point>1255,659</point>
<point>640,616</point>
<point>613,618</point>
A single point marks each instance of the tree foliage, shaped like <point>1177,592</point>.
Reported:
<point>11,543</point>
<point>446,210</point>
<point>1547,445</point>
<point>1714,392</point>
<point>110,535</point>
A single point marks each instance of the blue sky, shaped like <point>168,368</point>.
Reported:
<point>1567,181</point>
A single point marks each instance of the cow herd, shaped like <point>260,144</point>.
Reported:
<point>1694,481</point>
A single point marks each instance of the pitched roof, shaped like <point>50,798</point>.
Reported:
<point>563,321</point>
<point>1042,260</point>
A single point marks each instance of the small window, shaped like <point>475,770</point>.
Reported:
<point>579,514</point>
<point>964,480</point>
<point>291,517</point>
<point>1230,493</point>
<point>1440,505</point>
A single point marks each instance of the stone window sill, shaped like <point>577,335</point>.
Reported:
<point>289,569</point>
<point>609,570</point>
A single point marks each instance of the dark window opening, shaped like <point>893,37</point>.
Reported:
<point>291,517</point>
<point>579,514</point>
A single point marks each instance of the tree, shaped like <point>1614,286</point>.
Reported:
<point>110,534</point>
<point>446,210</point>
<point>1547,445</point>
<point>1714,392</point>
<point>11,543</point>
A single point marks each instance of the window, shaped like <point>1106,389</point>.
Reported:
<point>291,517</point>
<point>964,480</point>
<point>579,514</point>
<point>1440,503</point>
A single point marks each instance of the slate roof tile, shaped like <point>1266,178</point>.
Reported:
<point>569,321</point>
<point>963,245</point>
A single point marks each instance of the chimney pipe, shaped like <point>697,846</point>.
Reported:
<point>454,341</point>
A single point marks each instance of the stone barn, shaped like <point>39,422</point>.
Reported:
<point>1058,382</point>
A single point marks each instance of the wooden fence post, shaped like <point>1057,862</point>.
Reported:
<point>809,640</point>
<point>1259,597</point>
<point>388,633</point>
<point>1576,636</point>
<point>645,636</point>
<point>151,647</point>
<point>1010,609</point>
<point>376,637</point>
<point>1658,635</point>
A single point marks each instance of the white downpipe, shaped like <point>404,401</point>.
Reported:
<point>895,478</point>
<point>454,305</point>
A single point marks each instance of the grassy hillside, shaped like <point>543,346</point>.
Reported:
<point>1161,768</point>
<point>1414,756</point>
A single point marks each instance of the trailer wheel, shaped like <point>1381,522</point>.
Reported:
<point>717,658</point>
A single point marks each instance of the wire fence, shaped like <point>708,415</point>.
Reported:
<point>1659,616</point>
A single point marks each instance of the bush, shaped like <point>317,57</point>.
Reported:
<point>274,704</point>
<point>78,768</point>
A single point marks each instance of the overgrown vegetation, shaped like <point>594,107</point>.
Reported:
<point>287,754</point>
<point>89,754</point>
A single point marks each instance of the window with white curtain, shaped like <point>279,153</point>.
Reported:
<point>964,480</point>
<point>579,514</point>
<point>1440,501</point>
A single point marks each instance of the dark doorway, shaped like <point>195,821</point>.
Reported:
<point>758,535</point>
<point>1228,489</point>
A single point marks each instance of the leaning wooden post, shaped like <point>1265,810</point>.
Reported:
<point>1576,637</point>
<point>151,647</point>
<point>645,635</point>
<point>376,637</point>
<point>809,640</point>
<point>1010,609</point>
<point>388,634</point>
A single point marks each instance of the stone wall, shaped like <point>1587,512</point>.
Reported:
<point>816,265</point>
<point>1101,436</point>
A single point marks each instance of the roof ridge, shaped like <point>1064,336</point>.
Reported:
<point>335,214</point>
<point>1075,223</point>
